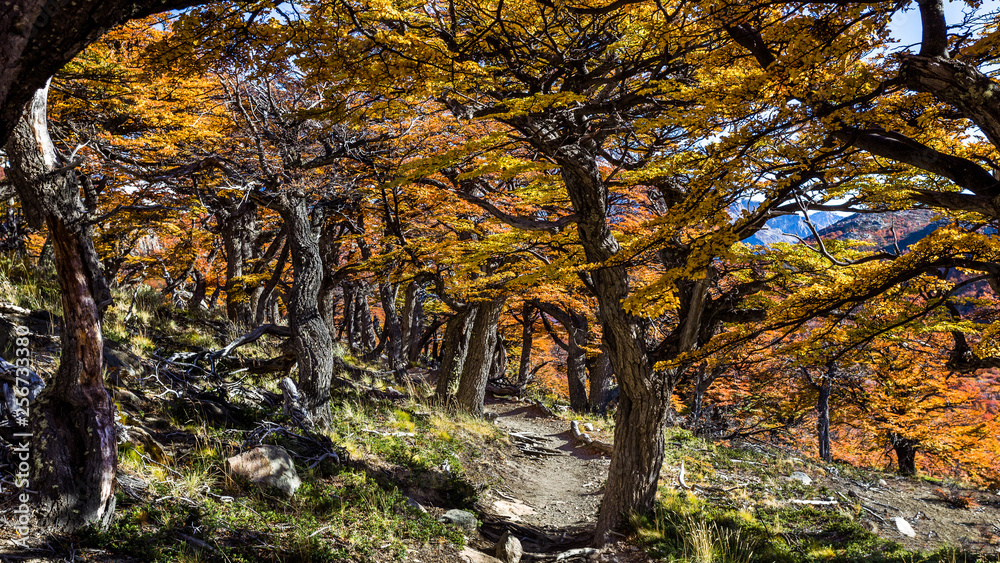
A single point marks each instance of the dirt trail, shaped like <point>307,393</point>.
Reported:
<point>558,491</point>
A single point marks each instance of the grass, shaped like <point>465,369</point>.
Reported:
<point>689,529</point>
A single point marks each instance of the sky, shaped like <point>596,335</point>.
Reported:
<point>905,26</point>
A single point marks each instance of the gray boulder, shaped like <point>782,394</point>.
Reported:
<point>465,521</point>
<point>266,465</point>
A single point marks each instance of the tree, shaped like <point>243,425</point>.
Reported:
<point>73,440</point>
<point>38,37</point>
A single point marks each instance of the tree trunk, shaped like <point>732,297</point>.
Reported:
<point>366,338</point>
<point>576,373</point>
<point>457,333</point>
<point>823,423</point>
<point>311,339</point>
<point>599,372</point>
<point>498,370</point>
<point>413,320</point>
<point>347,290</point>
<point>264,300</point>
<point>638,454</point>
<point>73,450</point>
<point>577,335</point>
<point>239,232</point>
<point>198,295</point>
<point>906,453</point>
<point>527,340</point>
<point>329,248</point>
<point>393,330</point>
<point>480,357</point>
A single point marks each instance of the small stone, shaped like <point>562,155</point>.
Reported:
<point>589,427</point>
<point>882,483</point>
<point>465,521</point>
<point>801,477</point>
<point>904,527</point>
<point>266,465</point>
<point>509,548</point>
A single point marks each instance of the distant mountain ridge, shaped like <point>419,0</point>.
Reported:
<point>878,229</point>
<point>875,228</point>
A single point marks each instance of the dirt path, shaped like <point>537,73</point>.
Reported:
<point>558,491</point>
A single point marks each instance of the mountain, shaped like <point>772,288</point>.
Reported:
<point>781,229</point>
<point>878,228</point>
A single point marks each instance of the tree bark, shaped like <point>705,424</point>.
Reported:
<point>311,339</point>
<point>480,357</point>
<point>239,232</point>
<point>823,422</point>
<point>906,453</point>
<point>527,340</point>
<point>413,320</point>
<point>73,443</point>
<point>393,329</point>
<point>457,333</point>
<point>599,374</point>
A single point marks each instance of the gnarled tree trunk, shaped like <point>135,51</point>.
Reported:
<point>73,450</point>
<point>644,400</point>
<point>311,339</point>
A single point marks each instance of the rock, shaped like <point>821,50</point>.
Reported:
<point>904,527</point>
<point>801,478</point>
<point>509,548</point>
<point>414,505</point>
<point>466,521</point>
<point>266,465</point>
<point>470,555</point>
<point>512,510</point>
<point>120,364</point>
<point>143,442</point>
<point>882,483</point>
<point>588,426</point>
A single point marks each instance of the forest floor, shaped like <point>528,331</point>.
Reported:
<point>398,448</point>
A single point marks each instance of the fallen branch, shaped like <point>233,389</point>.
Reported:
<point>579,436</point>
<point>251,337</point>
<point>11,309</point>
<point>579,553</point>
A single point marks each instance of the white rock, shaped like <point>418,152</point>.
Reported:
<point>801,477</point>
<point>268,465</point>
<point>904,527</point>
<point>588,427</point>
